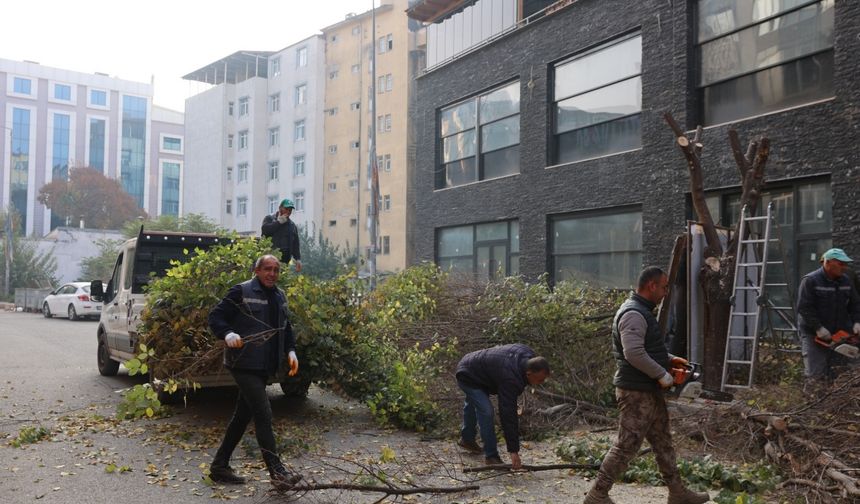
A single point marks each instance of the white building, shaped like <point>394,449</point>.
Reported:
<point>256,136</point>
<point>54,120</point>
<point>70,246</point>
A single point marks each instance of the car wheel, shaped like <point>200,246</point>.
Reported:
<point>46,310</point>
<point>73,315</point>
<point>107,367</point>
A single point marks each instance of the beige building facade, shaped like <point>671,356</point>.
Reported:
<point>349,123</point>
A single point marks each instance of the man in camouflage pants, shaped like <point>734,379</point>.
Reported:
<point>640,380</point>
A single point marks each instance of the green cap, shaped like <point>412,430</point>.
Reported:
<point>837,254</point>
<point>288,203</point>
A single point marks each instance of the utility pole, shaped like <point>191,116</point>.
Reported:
<point>374,169</point>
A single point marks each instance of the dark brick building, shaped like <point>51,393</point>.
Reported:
<point>541,145</point>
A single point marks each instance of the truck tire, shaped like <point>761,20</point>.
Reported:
<point>107,366</point>
<point>296,386</point>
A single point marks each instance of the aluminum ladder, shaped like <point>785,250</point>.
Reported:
<point>750,299</point>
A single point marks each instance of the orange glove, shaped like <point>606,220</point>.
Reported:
<point>680,375</point>
<point>678,362</point>
<point>294,363</point>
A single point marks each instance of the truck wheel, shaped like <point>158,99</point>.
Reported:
<point>73,315</point>
<point>107,366</point>
<point>46,310</point>
<point>296,386</point>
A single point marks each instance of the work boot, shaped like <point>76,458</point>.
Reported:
<point>282,479</point>
<point>596,496</point>
<point>469,446</point>
<point>225,474</point>
<point>679,494</point>
<point>495,460</point>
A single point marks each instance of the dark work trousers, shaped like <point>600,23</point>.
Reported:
<point>251,403</point>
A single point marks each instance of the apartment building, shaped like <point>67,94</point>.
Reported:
<point>349,122</point>
<point>55,120</point>
<point>255,137</point>
<point>542,147</point>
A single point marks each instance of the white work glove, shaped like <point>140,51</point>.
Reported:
<point>666,381</point>
<point>856,328</point>
<point>298,265</point>
<point>233,340</point>
<point>823,334</point>
<point>294,363</point>
<point>282,218</point>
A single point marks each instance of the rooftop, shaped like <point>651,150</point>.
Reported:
<point>239,66</point>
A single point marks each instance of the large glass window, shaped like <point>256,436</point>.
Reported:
<point>480,138</point>
<point>98,97</point>
<point>603,248</point>
<point>170,188</point>
<point>241,207</point>
<point>22,86</point>
<point>97,144</point>
<point>20,162</point>
<point>132,169</point>
<point>598,102</point>
<point>487,250</point>
<point>60,154</point>
<point>171,144</point>
<point>62,92</point>
<point>758,57</point>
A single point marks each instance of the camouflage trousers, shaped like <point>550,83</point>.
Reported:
<point>643,415</point>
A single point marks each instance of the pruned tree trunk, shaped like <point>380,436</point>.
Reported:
<point>716,277</point>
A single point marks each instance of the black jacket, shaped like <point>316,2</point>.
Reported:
<point>499,370</point>
<point>284,236</point>
<point>628,376</point>
<point>833,304</point>
<point>245,310</point>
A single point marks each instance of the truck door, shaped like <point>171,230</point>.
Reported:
<point>125,304</point>
<point>111,302</point>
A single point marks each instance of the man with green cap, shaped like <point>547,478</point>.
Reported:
<point>284,233</point>
<point>826,302</point>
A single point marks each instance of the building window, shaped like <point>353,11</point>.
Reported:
<point>384,83</point>
<point>383,123</point>
<point>333,74</point>
<point>353,183</point>
<point>230,108</point>
<point>488,124</point>
<point>356,30</point>
<point>301,57</point>
<point>353,222</point>
<point>173,144</point>
<point>332,111</point>
<point>276,67</point>
<point>384,162</point>
<point>804,213</point>
<point>299,166</point>
<point>272,203</point>
<point>228,207</point>
<point>487,250</point>
<point>275,102</point>
<point>355,144</point>
<point>301,94</point>
<point>97,144</point>
<point>241,207</point>
<point>355,106</point>
<point>598,102</point>
<point>62,92</point>
<point>22,86</point>
<point>170,175</point>
<point>386,203</point>
<point>243,139</point>
<point>332,149</point>
<point>334,39</point>
<point>132,170</point>
<point>274,137</point>
<point>757,60</point>
<point>230,141</point>
<point>385,44</point>
<point>229,173</point>
<point>299,200</point>
<point>274,170</point>
<point>98,97</point>
<point>299,130</point>
<point>243,172</point>
<point>355,68</point>
<point>385,245</point>
<point>332,223</point>
<point>332,186</point>
<point>603,248</point>
<point>244,106</point>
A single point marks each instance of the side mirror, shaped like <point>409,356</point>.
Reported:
<point>96,290</point>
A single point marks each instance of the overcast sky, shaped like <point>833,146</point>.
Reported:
<point>136,40</point>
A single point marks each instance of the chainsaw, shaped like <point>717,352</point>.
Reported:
<point>687,384</point>
<point>842,343</point>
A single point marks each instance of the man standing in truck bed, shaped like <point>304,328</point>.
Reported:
<point>284,233</point>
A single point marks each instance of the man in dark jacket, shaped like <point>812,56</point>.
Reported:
<point>284,233</point>
<point>504,370</point>
<point>642,375</point>
<point>252,321</point>
<point>826,302</point>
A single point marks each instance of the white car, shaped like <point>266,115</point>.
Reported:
<point>71,300</point>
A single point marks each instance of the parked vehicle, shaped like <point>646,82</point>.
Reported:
<point>71,300</point>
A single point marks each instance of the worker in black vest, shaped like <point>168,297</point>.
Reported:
<point>252,321</point>
<point>284,233</point>
<point>642,376</point>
